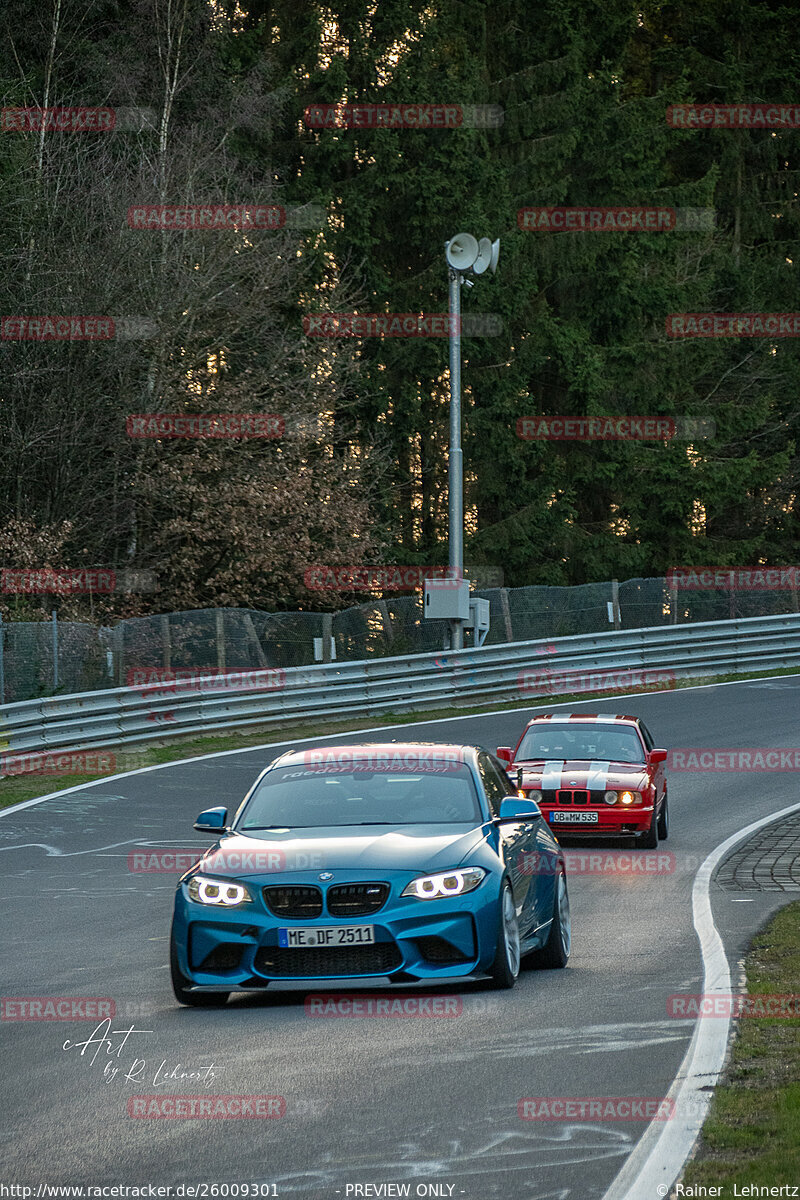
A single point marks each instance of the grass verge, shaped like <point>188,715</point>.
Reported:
<point>15,789</point>
<point>752,1133</point>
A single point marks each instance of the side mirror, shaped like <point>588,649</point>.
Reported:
<point>505,754</point>
<point>514,808</point>
<point>658,756</point>
<point>213,820</point>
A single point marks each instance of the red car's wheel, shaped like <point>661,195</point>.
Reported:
<point>649,840</point>
<point>663,821</point>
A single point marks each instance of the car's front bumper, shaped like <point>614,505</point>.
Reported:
<point>237,949</point>
<point>612,820</point>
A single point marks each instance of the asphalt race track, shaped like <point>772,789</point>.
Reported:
<point>428,1103</point>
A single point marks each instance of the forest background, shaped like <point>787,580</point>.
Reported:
<point>210,101</point>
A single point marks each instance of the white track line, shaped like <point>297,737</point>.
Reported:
<point>662,1151</point>
<point>181,762</point>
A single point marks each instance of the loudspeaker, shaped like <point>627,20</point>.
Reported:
<point>461,251</point>
<point>484,256</point>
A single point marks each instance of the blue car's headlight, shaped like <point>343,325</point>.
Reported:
<point>220,892</point>
<point>449,883</point>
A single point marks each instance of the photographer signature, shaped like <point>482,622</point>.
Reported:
<point>108,1044</point>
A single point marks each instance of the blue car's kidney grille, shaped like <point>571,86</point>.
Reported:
<point>356,899</point>
<point>308,961</point>
<point>294,902</point>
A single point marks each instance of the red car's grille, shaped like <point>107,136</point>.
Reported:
<point>568,796</point>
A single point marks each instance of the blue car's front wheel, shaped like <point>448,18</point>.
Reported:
<point>556,950</point>
<point>181,985</point>
<point>505,968</point>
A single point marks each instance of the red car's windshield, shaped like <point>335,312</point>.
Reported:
<point>568,740</point>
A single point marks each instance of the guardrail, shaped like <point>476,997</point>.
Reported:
<point>512,670</point>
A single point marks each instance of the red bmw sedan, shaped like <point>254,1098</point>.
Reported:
<point>592,773</point>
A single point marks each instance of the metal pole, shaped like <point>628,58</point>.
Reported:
<point>455,503</point>
<point>55,651</point>
<point>2,664</point>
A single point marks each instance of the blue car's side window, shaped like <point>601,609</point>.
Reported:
<point>492,784</point>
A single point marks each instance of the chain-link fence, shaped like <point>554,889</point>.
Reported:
<point>46,658</point>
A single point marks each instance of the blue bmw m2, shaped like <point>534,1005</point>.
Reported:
<point>398,861</point>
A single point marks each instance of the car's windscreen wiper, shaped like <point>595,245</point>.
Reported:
<point>341,825</point>
<point>250,828</point>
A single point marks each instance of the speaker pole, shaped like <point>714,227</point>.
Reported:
<point>455,491</point>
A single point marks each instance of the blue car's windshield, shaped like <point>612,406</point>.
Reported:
<point>574,740</point>
<point>296,797</point>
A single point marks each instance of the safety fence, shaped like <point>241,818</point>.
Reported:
<point>42,658</point>
<point>632,660</point>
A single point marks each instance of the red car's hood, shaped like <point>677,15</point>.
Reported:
<point>578,773</point>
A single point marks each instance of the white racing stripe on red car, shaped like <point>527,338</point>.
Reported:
<point>597,778</point>
<point>574,773</point>
<point>551,774</point>
<point>591,718</point>
<point>568,773</point>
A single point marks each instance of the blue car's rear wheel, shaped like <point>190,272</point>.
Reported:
<point>181,985</point>
<point>555,951</point>
<point>505,968</point>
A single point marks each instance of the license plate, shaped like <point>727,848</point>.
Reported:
<point>328,935</point>
<point>574,818</point>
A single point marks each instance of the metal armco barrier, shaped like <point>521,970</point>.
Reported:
<point>510,671</point>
